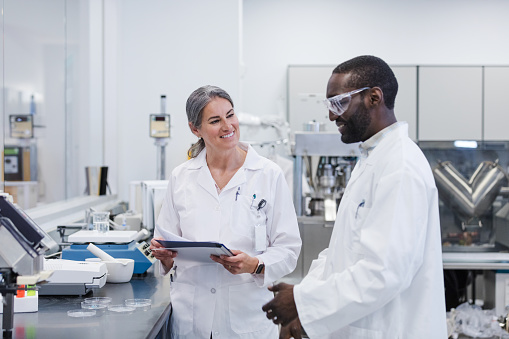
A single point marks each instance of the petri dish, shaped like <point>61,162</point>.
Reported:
<point>91,306</point>
<point>139,304</point>
<point>98,300</point>
<point>81,313</point>
<point>121,309</point>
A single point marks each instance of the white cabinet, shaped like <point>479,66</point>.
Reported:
<point>307,86</point>
<point>450,103</point>
<point>306,90</point>
<point>405,107</point>
<point>440,103</point>
<point>496,109</point>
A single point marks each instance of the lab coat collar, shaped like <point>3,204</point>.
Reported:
<point>369,145</point>
<point>253,161</point>
<point>389,133</point>
<point>368,148</point>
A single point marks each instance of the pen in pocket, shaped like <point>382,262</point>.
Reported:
<point>173,273</point>
<point>360,205</point>
<point>261,204</point>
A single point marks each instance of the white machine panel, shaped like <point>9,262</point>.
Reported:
<point>119,237</point>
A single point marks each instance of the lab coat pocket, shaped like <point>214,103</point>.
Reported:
<point>244,217</point>
<point>246,301</point>
<point>357,214</point>
<point>182,300</point>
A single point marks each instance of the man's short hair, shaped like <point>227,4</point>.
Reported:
<point>370,71</point>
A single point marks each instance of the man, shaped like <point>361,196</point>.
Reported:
<point>381,276</point>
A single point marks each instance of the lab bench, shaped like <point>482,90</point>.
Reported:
<point>52,321</point>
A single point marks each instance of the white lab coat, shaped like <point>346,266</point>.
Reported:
<point>206,298</point>
<point>382,276</point>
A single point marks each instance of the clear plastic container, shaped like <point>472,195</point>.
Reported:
<point>81,313</point>
<point>92,306</point>
<point>121,309</point>
<point>98,300</point>
<point>140,304</point>
<point>101,221</point>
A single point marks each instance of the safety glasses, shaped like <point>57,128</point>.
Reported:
<point>339,103</point>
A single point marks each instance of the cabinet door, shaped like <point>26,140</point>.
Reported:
<point>405,107</point>
<point>315,238</point>
<point>496,110</point>
<point>450,103</point>
<point>306,90</point>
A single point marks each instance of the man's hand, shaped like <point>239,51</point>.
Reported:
<point>282,309</point>
<point>292,330</point>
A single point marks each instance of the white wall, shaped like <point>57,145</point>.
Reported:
<point>283,32</point>
<point>169,47</point>
<point>173,47</point>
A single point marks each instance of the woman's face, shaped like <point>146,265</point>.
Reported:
<point>219,127</point>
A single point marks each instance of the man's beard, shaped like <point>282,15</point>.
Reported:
<point>357,125</point>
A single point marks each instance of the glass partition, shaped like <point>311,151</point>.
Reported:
<point>2,112</point>
<point>46,99</point>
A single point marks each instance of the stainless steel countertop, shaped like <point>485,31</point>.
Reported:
<point>52,321</point>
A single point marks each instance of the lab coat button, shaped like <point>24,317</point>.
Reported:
<point>213,290</point>
<point>216,333</point>
<point>217,208</point>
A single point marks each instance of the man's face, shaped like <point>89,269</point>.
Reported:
<point>354,123</point>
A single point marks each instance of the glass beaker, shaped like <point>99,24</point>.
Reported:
<point>101,221</point>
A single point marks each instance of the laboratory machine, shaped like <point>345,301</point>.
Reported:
<point>19,158</point>
<point>323,164</point>
<point>118,244</point>
<point>73,277</point>
<point>22,248</point>
<point>471,179</point>
<point>472,184</point>
<point>159,129</point>
<point>328,180</point>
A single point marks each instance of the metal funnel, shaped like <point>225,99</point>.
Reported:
<point>469,199</point>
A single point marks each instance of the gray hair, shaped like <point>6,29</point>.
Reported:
<point>194,109</point>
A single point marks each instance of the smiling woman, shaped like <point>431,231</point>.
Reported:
<point>226,193</point>
<point>220,130</point>
<point>195,106</point>
<point>213,120</point>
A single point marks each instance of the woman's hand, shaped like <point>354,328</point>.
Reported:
<point>165,256</point>
<point>239,263</point>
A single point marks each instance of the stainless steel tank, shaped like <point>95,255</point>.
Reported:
<point>469,198</point>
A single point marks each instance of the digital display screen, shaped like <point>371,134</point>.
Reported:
<point>159,126</point>
<point>11,151</point>
<point>21,126</point>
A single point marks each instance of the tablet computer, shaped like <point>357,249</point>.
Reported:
<point>198,251</point>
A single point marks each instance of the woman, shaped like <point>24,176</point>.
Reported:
<point>229,194</point>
